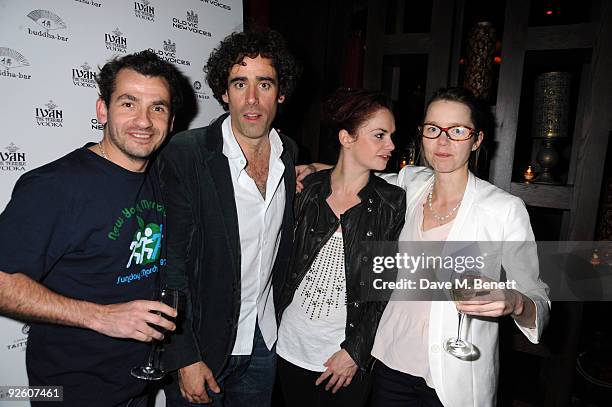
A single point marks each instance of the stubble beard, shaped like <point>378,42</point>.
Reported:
<point>132,153</point>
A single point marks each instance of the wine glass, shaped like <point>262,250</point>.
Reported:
<point>462,290</point>
<point>153,370</point>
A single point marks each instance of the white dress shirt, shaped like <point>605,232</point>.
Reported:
<point>259,225</point>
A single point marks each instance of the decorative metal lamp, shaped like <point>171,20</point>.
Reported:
<point>481,48</point>
<point>550,119</point>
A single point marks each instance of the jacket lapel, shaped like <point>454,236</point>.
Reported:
<point>224,189</point>
<point>220,172</point>
<point>289,179</point>
<point>285,248</point>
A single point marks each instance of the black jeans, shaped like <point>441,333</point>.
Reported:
<point>392,388</point>
<point>298,386</point>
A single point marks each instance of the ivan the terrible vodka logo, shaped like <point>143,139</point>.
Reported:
<point>49,116</point>
<point>83,76</point>
<point>115,41</point>
<point>12,159</point>
<point>144,10</point>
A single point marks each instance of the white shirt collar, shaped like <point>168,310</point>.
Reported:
<point>232,150</point>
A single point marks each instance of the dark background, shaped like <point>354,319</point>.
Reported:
<point>573,365</point>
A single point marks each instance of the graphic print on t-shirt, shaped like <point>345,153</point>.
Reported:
<point>145,244</point>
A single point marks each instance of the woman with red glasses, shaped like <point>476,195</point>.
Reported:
<point>445,203</point>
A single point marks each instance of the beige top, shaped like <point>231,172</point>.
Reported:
<point>402,339</point>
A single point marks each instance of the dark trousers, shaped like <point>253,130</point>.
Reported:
<point>246,381</point>
<point>141,401</point>
<point>298,386</point>
<point>391,388</point>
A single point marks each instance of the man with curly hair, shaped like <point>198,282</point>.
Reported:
<point>229,189</point>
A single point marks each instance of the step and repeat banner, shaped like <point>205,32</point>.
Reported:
<point>50,52</point>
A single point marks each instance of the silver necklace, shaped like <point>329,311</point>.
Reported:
<point>102,151</point>
<point>437,217</point>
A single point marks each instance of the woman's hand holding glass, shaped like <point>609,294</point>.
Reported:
<point>500,302</point>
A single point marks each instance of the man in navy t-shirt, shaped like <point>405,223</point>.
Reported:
<point>81,244</point>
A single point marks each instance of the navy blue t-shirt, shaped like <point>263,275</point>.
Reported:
<point>90,230</point>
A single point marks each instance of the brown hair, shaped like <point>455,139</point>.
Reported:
<point>480,114</point>
<point>348,109</point>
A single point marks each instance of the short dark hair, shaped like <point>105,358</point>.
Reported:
<point>239,45</point>
<point>347,109</point>
<point>145,63</point>
<point>480,114</point>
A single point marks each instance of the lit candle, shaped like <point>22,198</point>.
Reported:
<point>528,174</point>
<point>403,160</point>
<point>595,260</point>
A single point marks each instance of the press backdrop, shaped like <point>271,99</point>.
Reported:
<point>49,55</point>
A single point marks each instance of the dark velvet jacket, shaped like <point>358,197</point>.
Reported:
<point>378,217</point>
<point>203,244</point>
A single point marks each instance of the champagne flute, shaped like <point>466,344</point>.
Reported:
<point>153,369</point>
<point>462,290</point>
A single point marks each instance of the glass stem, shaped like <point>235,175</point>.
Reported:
<point>152,354</point>
<point>459,326</point>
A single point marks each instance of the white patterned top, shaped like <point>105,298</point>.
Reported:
<point>313,325</point>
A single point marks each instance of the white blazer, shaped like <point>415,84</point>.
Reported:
<point>487,213</point>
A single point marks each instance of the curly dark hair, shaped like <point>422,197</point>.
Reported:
<point>239,45</point>
<point>145,63</point>
<point>348,109</point>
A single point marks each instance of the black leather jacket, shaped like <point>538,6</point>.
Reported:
<point>379,217</point>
